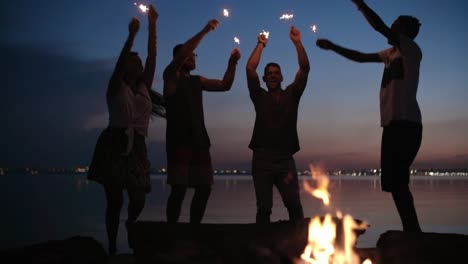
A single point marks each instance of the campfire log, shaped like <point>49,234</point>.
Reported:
<point>278,242</point>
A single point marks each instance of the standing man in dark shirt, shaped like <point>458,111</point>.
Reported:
<point>187,141</point>
<point>274,139</point>
<point>399,110</point>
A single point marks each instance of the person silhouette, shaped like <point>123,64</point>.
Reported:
<point>120,160</point>
<point>399,110</point>
<point>274,138</point>
<point>187,140</point>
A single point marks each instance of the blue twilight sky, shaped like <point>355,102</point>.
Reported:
<point>58,56</point>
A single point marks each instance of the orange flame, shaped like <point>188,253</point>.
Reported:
<point>321,191</point>
<point>321,248</point>
<point>321,239</point>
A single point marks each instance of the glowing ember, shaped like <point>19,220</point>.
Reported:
<point>265,33</point>
<point>142,7</point>
<point>314,28</point>
<point>236,40</point>
<point>286,16</point>
<point>225,13</point>
<point>321,248</point>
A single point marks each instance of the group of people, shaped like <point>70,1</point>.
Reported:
<point>120,160</point>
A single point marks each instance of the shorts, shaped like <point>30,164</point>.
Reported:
<point>189,165</point>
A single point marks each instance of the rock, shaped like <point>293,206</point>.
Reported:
<point>75,250</point>
<point>121,259</point>
<point>418,248</point>
<point>160,242</point>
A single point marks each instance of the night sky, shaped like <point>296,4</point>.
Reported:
<point>57,57</point>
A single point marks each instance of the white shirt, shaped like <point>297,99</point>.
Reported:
<point>400,82</point>
<point>130,110</point>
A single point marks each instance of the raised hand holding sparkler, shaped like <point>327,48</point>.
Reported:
<point>265,34</point>
<point>235,55</point>
<point>211,25</point>
<point>263,37</point>
<point>294,34</point>
<point>152,14</point>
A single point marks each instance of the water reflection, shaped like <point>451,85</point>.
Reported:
<point>56,206</point>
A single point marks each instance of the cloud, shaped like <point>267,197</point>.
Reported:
<point>47,98</point>
<point>55,109</point>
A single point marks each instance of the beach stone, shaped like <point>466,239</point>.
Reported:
<point>278,242</point>
<point>418,248</point>
<point>74,250</point>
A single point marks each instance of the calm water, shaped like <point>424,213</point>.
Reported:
<point>37,208</point>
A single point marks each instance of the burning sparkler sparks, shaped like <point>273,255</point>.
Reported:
<point>142,7</point>
<point>236,40</point>
<point>314,28</point>
<point>286,16</point>
<point>265,33</point>
<point>225,13</point>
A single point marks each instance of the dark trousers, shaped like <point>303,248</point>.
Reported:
<point>277,170</point>
<point>400,144</point>
<point>197,207</point>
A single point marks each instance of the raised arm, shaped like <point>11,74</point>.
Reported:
<point>226,83</point>
<point>376,22</point>
<point>253,81</point>
<point>117,75</point>
<point>150,64</point>
<point>170,74</point>
<point>348,53</point>
<point>300,80</point>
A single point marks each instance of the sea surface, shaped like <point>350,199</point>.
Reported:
<point>42,207</point>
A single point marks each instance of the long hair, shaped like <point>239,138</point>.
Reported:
<point>159,104</point>
<point>157,100</point>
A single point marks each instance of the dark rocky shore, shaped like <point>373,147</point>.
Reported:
<point>279,242</point>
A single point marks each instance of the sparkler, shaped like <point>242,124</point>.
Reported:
<point>237,41</point>
<point>142,7</point>
<point>314,29</point>
<point>265,33</point>
<point>287,17</point>
<point>225,13</point>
